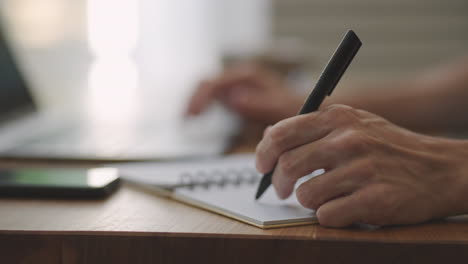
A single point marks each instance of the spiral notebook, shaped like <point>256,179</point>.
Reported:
<point>224,185</point>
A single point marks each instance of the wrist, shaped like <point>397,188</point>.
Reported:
<point>462,162</point>
<point>456,152</point>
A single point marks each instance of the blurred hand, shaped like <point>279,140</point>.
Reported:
<point>376,172</point>
<point>255,94</point>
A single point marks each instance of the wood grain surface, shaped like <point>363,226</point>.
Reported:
<point>136,226</point>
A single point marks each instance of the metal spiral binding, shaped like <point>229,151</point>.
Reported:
<point>220,177</point>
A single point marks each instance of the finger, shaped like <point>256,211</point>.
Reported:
<point>299,130</point>
<point>251,104</point>
<point>334,183</point>
<point>299,162</point>
<point>266,130</point>
<point>207,91</point>
<point>202,96</point>
<point>342,212</point>
<point>286,135</point>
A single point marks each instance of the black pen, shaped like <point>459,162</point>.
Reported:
<point>328,80</point>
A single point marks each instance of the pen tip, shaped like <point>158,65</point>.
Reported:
<point>258,194</point>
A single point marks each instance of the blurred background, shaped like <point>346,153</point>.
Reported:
<point>110,57</point>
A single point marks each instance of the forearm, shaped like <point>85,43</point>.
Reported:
<point>436,100</point>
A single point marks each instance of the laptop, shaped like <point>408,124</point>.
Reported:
<point>27,132</point>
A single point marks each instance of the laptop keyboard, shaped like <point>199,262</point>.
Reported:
<point>73,139</point>
<point>116,143</point>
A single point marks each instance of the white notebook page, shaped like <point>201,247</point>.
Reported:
<point>235,200</point>
<point>239,202</point>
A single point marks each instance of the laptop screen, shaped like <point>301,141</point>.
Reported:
<point>14,95</point>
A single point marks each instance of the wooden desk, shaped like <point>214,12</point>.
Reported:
<point>135,226</point>
<point>139,227</point>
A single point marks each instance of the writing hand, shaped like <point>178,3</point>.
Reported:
<point>376,172</point>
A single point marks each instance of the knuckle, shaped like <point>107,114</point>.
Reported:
<point>368,166</point>
<point>328,218</point>
<point>342,113</point>
<point>277,135</point>
<point>337,108</point>
<point>306,198</point>
<point>358,175</point>
<point>349,140</point>
<point>287,164</point>
<point>302,196</point>
<point>310,117</point>
<point>355,140</point>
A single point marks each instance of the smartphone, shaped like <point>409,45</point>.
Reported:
<point>58,183</point>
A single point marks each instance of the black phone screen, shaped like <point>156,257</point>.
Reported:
<point>58,182</point>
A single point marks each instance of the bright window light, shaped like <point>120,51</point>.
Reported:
<point>112,27</point>
<point>113,77</point>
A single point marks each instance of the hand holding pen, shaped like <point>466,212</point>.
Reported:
<point>328,80</point>
<point>376,172</point>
